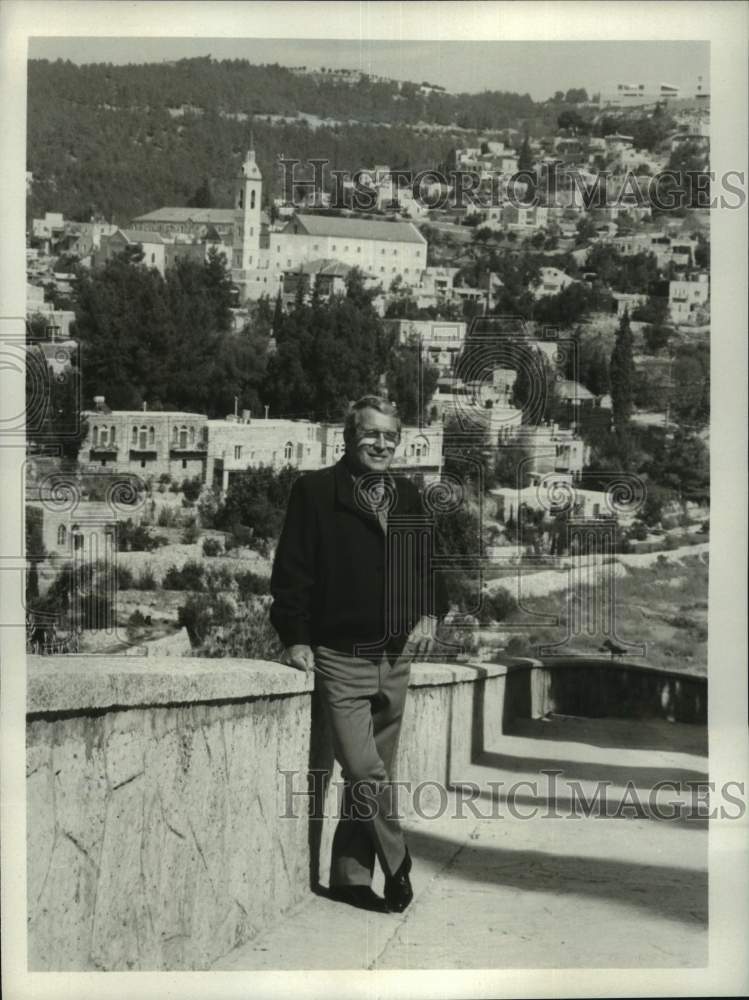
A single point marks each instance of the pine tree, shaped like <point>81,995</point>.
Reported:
<point>622,375</point>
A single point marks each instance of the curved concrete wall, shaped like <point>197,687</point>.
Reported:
<point>177,805</point>
<point>158,823</point>
<point>596,687</point>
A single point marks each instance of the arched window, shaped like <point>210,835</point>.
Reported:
<point>95,436</point>
<point>422,447</point>
<point>183,436</point>
<point>252,199</point>
<point>175,434</point>
<point>112,437</point>
<point>135,436</point>
<point>288,450</point>
<point>192,435</point>
<point>103,437</point>
<point>151,435</point>
<point>62,534</point>
<point>143,442</point>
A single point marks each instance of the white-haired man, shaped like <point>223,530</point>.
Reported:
<point>352,601</point>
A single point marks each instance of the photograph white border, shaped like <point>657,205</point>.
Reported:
<point>725,26</point>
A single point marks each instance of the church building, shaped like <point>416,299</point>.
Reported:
<point>259,257</point>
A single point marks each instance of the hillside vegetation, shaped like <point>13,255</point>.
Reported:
<point>118,141</point>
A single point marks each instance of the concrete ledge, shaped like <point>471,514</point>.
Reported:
<point>160,834</point>
<point>88,683</point>
<point>434,674</point>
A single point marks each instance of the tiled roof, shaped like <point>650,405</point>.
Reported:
<point>200,216</point>
<point>327,266</point>
<point>141,236</point>
<point>356,229</point>
<point>179,213</point>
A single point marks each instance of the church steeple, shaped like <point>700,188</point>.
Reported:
<point>247,200</point>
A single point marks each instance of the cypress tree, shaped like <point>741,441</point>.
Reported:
<point>622,375</point>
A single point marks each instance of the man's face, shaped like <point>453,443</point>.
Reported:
<point>375,441</point>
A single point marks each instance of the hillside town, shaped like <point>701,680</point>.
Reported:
<point>550,253</point>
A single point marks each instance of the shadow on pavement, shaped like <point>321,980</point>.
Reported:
<point>616,774</point>
<point>632,734</point>
<point>671,892</point>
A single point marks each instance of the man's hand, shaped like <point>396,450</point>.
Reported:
<point>300,657</point>
<point>423,637</point>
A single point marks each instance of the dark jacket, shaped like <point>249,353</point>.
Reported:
<point>337,580</point>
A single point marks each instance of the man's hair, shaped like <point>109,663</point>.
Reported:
<point>367,403</point>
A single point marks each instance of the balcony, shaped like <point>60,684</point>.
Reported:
<point>105,449</point>
<point>185,448</point>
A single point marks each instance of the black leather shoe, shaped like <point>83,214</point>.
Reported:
<point>398,891</point>
<point>360,896</point>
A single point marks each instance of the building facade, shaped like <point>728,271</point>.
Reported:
<point>87,532</point>
<point>419,454</point>
<point>441,340</point>
<point>240,443</point>
<point>146,443</point>
<point>688,298</point>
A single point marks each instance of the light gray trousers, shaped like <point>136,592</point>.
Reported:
<point>363,702</point>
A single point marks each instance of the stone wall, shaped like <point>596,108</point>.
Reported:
<point>155,810</point>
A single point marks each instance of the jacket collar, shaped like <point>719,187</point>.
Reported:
<point>344,488</point>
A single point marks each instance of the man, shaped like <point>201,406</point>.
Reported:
<point>352,600</point>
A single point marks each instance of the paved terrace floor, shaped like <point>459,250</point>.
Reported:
<point>496,891</point>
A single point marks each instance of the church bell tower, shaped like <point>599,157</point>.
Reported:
<point>247,197</point>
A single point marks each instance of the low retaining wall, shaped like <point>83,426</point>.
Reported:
<point>155,800</point>
<point>159,831</point>
<point>596,687</point>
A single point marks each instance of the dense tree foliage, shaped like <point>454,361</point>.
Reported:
<point>690,395</point>
<point>118,141</point>
<point>572,304</point>
<point>257,499</point>
<point>162,341</point>
<point>329,353</point>
<point>169,342</point>
<point>621,272</point>
<point>588,363</point>
<point>53,407</point>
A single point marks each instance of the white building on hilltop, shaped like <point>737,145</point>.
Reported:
<point>635,95</point>
<point>259,254</point>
